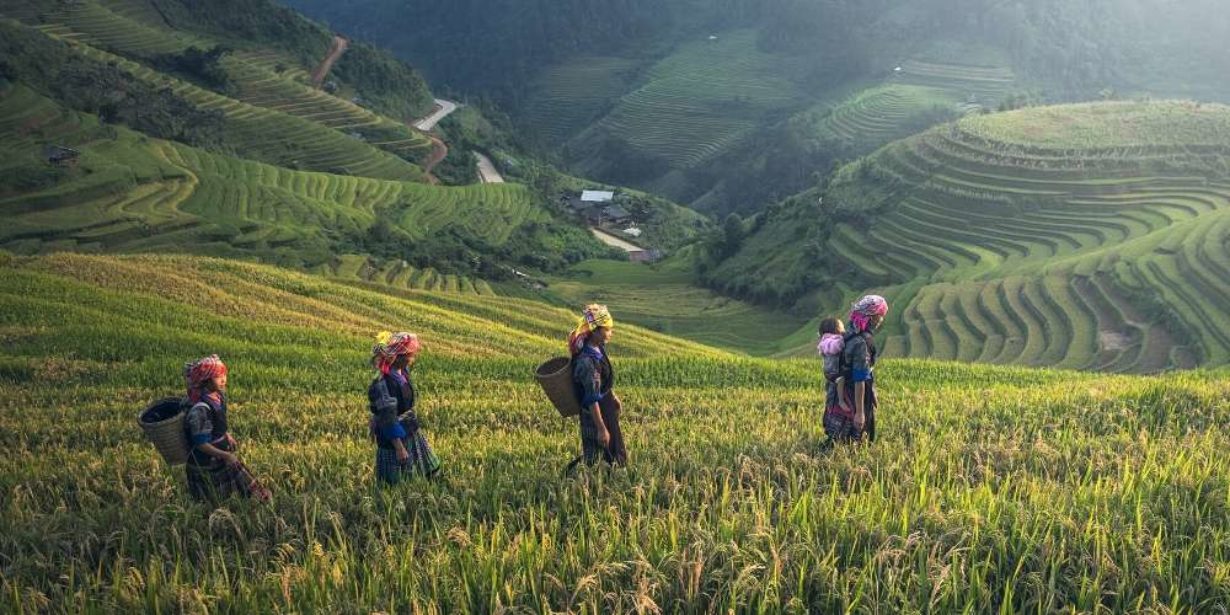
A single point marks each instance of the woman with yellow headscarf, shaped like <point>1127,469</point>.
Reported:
<point>593,378</point>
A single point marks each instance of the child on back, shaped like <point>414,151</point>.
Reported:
<point>832,342</point>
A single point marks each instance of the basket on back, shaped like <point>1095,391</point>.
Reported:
<point>163,423</point>
<point>555,377</point>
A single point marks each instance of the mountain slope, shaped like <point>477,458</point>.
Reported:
<point>1084,236</point>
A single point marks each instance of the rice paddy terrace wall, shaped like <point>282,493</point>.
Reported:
<point>1083,236</point>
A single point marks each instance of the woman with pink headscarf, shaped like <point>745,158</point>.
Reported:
<point>401,448</point>
<point>853,415</point>
<point>214,470</point>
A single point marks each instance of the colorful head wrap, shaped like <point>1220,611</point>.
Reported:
<point>197,373</point>
<point>593,317</point>
<point>864,309</point>
<point>389,346</point>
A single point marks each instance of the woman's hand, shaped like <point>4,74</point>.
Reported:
<point>231,459</point>
<point>403,455</point>
<point>860,421</point>
<point>604,437</point>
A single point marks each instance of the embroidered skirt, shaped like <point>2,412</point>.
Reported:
<point>422,462</point>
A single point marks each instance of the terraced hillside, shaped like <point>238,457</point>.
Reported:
<point>273,112</point>
<point>878,115</point>
<point>1083,236</point>
<point>727,502</point>
<point>975,85</point>
<point>130,193</point>
<point>666,299</point>
<point>691,106</point>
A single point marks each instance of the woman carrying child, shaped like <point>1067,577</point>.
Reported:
<point>849,366</point>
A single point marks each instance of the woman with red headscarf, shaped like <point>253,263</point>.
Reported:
<point>401,447</point>
<point>855,415</point>
<point>214,470</point>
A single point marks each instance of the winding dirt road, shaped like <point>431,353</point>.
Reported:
<point>336,49</point>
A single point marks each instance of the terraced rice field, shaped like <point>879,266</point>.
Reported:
<point>1039,235</point>
<point>276,116</point>
<point>990,489</point>
<point>699,100</point>
<point>571,96</point>
<point>981,85</point>
<point>878,115</point>
<point>666,299</point>
<point>130,193</point>
<point>400,275</point>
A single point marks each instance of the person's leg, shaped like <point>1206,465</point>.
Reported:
<point>388,469</point>
<point>611,408</point>
<point>870,427</point>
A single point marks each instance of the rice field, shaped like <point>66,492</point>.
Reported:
<point>273,114</point>
<point>130,193</point>
<point>697,102</point>
<point>991,489</point>
<point>1031,237</point>
<point>664,297</point>
<point>877,115</point>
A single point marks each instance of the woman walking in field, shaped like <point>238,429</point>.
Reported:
<point>593,379</point>
<point>214,470</point>
<point>850,408</point>
<point>401,447</point>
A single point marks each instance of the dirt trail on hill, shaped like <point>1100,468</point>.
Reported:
<point>487,173</point>
<point>439,150</point>
<point>614,241</point>
<point>336,49</point>
<point>442,110</point>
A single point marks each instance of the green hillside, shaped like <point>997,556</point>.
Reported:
<point>271,110</point>
<point>130,193</point>
<point>1084,236</point>
<point>1118,481</point>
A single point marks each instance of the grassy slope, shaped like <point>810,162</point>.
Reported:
<point>991,489</point>
<point>664,297</point>
<point>130,193</point>
<point>690,106</point>
<point>1042,233</point>
<point>273,113</point>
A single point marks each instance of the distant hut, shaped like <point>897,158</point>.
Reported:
<point>616,214</point>
<point>62,156</point>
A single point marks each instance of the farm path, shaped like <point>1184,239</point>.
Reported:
<point>336,49</point>
<point>443,109</point>
<point>614,241</point>
<point>487,172</point>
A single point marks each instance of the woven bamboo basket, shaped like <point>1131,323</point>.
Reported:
<point>556,381</point>
<point>163,423</point>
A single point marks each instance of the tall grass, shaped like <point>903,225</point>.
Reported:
<point>989,490</point>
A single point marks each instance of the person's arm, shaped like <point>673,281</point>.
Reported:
<point>200,429</point>
<point>860,374</point>
<point>387,425</point>
<point>588,376</point>
<point>229,458</point>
